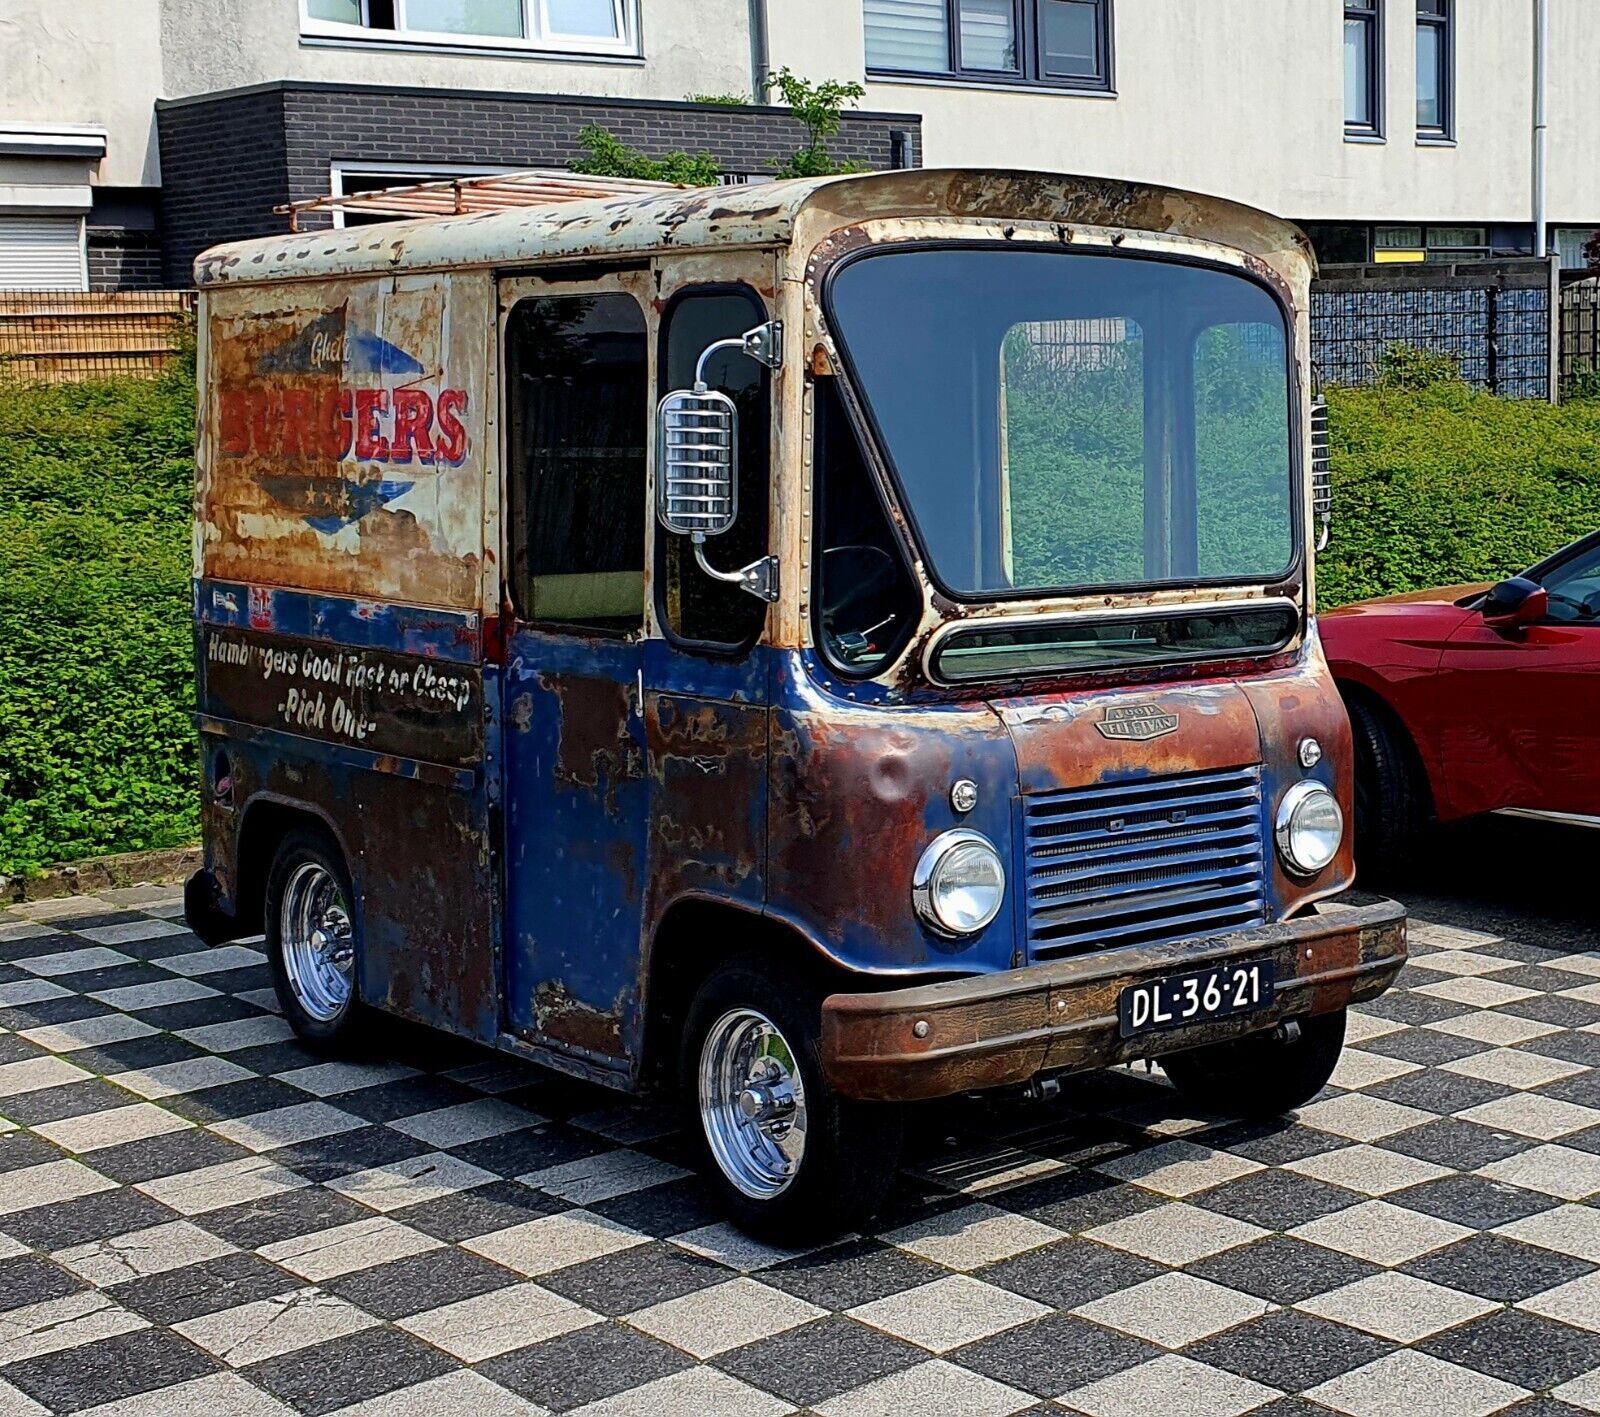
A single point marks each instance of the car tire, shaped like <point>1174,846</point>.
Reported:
<point>1264,1074</point>
<point>788,1177</point>
<point>1392,808</point>
<point>312,942</point>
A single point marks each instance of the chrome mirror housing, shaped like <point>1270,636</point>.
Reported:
<point>697,460</point>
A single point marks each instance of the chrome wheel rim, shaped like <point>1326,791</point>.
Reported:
<point>752,1103</point>
<point>318,942</point>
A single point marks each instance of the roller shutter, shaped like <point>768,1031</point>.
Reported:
<point>41,253</point>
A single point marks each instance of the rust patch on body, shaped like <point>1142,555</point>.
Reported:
<point>566,1020</point>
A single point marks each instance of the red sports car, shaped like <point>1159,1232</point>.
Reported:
<point>1474,699</point>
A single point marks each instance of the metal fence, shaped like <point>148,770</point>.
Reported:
<point>63,336</point>
<point>1495,318</point>
<point>1580,332</point>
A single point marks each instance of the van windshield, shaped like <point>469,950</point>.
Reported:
<point>1062,420</point>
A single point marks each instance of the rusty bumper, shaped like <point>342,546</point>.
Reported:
<point>997,1029</point>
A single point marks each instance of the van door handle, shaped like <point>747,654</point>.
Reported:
<point>638,698</point>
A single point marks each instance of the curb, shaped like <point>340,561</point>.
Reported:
<point>132,868</point>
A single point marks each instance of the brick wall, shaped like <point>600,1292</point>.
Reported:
<point>224,166</point>
<point>124,260</point>
<point>227,159</point>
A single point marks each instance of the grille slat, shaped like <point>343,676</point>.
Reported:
<point>1144,861</point>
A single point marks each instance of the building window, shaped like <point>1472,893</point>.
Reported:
<point>1064,43</point>
<point>1569,242</point>
<point>1363,69</point>
<point>602,27</point>
<point>1431,243</point>
<point>1433,69</point>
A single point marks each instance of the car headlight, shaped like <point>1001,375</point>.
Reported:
<point>1309,829</point>
<point>959,883</point>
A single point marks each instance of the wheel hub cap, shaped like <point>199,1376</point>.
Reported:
<point>752,1103</point>
<point>318,942</point>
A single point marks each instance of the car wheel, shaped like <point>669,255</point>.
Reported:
<point>312,941</point>
<point>1392,808</point>
<point>792,1160</point>
<point>1264,1074</point>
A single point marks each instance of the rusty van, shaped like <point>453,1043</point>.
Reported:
<point>812,646</point>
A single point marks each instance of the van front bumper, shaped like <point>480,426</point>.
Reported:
<point>992,1030</point>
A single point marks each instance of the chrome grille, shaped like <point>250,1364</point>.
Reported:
<point>1143,861</point>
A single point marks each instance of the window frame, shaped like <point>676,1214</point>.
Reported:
<point>536,37</point>
<point>1299,468</point>
<point>1444,24</point>
<point>1370,14</point>
<point>1029,73</point>
<point>760,311</point>
<point>515,489</point>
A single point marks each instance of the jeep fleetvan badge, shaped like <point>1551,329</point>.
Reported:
<point>1139,722</point>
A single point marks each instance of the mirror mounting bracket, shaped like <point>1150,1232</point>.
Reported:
<point>759,578</point>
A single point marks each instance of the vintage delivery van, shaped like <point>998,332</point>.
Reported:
<point>816,646</point>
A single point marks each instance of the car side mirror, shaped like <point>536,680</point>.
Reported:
<point>697,460</point>
<point>1514,603</point>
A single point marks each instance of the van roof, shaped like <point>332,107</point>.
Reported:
<point>758,214</point>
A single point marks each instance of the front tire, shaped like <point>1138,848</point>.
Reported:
<point>792,1161</point>
<point>1263,1074</point>
<point>311,941</point>
<point>1392,808</point>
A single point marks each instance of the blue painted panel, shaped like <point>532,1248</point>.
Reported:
<point>577,812</point>
<point>411,629</point>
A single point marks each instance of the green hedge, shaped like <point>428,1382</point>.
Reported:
<point>1433,484</point>
<point>97,750</point>
<point>1440,484</point>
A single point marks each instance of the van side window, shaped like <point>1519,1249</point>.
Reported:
<point>696,608</point>
<point>867,602</point>
<point>577,420</point>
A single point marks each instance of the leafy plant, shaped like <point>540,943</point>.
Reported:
<point>1583,383</point>
<point>97,750</point>
<point>1404,366</point>
<point>609,156</point>
<point>820,107</point>
<point>720,100</point>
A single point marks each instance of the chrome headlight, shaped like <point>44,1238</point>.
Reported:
<point>1309,828</point>
<point>959,883</point>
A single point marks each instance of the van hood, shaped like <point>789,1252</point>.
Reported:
<point>1077,740</point>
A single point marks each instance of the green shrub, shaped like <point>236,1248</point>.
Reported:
<point>1404,366</point>
<point>97,751</point>
<point>609,156</point>
<point>1443,484</point>
<point>820,107</point>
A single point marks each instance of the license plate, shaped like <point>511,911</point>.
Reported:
<point>1194,998</point>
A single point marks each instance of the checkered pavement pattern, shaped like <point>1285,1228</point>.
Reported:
<point>197,1216</point>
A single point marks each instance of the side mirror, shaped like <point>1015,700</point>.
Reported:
<point>1514,603</point>
<point>697,460</point>
<point>1321,473</point>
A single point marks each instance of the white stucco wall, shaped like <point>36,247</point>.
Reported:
<point>1245,98</point>
<point>86,62</point>
<point>700,46</point>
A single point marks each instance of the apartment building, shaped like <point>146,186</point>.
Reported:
<point>133,133</point>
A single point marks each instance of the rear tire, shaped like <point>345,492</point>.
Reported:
<point>313,942</point>
<point>792,1161</point>
<point>1392,808</point>
<point>1262,1075</point>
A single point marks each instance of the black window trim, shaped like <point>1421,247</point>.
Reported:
<point>1030,54</point>
<point>1444,23</point>
<point>516,589</point>
<point>1370,13</point>
<point>1259,609</point>
<point>721,649</point>
<point>1299,469</point>
<point>856,425</point>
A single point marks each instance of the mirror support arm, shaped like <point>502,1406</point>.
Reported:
<point>760,578</point>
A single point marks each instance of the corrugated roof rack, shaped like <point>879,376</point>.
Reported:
<point>455,196</point>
